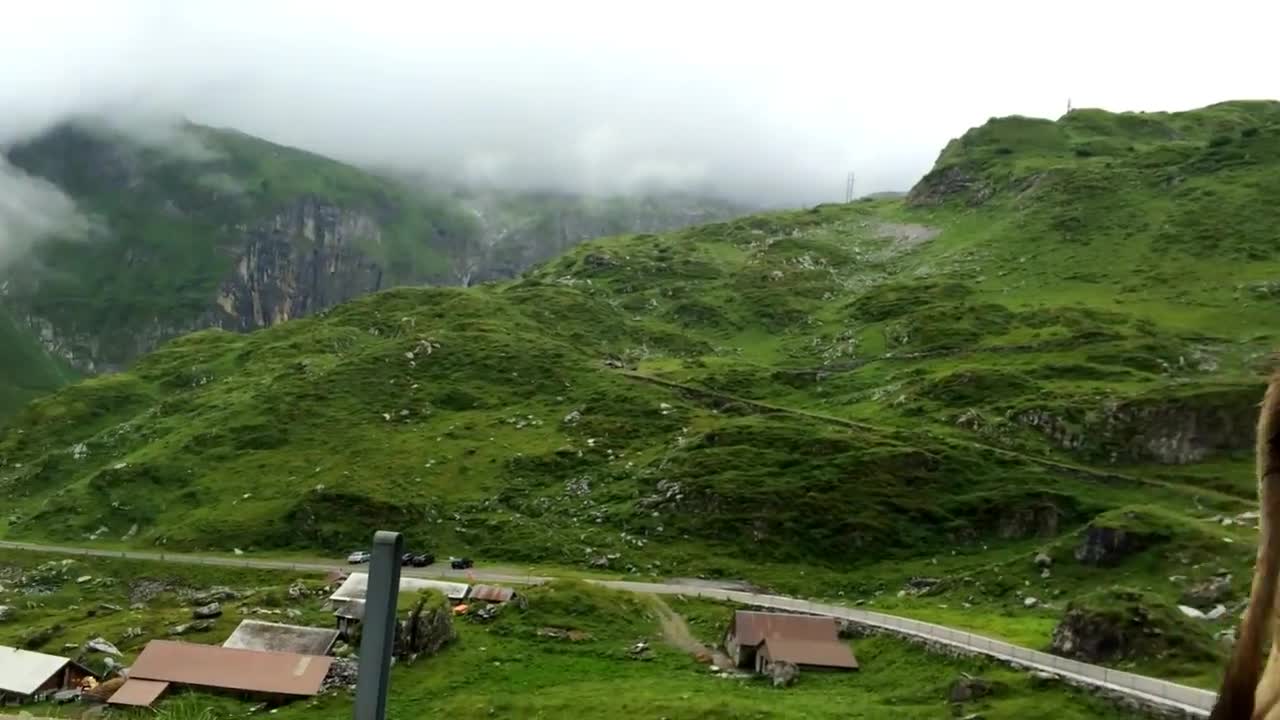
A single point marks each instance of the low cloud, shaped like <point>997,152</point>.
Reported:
<point>772,104</point>
<point>31,210</point>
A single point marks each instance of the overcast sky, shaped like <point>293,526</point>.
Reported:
<point>771,102</point>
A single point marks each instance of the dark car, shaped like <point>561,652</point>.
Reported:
<point>406,559</point>
<point>460,563</point>
<point>423,560</point>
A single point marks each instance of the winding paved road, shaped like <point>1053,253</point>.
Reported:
<point>1170,697</point>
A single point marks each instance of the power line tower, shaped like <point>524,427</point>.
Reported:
<point>848,188</point>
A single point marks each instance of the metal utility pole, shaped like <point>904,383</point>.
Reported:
<point>848,188</point>
<point>377,636</point>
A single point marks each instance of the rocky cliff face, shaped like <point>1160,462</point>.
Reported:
<point>214,228</point>
<point>308,257</point>
<point>1173,431</point>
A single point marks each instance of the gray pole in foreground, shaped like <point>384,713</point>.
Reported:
<point>377,635</point>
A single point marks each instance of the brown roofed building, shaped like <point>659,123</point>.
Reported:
<point>260,672</point>
<point>757,639</point>
<point>491,593</point>
<point>138,693</point>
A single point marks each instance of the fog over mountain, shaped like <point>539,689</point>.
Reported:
<point>772,103</point>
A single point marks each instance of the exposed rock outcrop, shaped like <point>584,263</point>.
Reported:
<point>1215,590</point>
<point>782,673</point>
<point>1174,430</point>
<point>309,256</point>
<point>1107,546</point>
<point>966,688</point>
<point>427,628</point>
<point>1119,624</point>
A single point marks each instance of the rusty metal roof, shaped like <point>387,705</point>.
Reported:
<point>231,668</point>
<point>824,653</point>
<point>751,628</point>
<point>138,693</point>
<point>491,593</point>
<point>258,635</point>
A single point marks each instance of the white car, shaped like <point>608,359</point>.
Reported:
<point>357,557</point>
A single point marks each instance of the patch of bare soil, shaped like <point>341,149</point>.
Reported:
<point>676,632</point>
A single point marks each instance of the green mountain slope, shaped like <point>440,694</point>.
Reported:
<point>29,370</point>
<point>214,228</point>
<point>1059,334</point>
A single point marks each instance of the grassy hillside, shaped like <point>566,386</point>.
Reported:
<point>205,227</point>
<point>171,216</point>
<point>1061,332</point>
<point>29,371</point>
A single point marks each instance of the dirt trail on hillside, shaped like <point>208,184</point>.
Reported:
<point>676,632</point>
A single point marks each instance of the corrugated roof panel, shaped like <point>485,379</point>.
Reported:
<point>138,693</point>
<point>231,668</point>
<point>752,627</point>
<point>356,587</point>
<point>258,635</point>
<point>22,672</point>
<point>491,593</point>
<point>810,652</point>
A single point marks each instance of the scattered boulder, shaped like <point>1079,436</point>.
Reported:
<point>1030,602</point>
<point>562,634</point>
<point>641,651</point>
<point>1107,546</point>
<point>1217,612</point>
<point>1208,593</point>
<point>600,562</point>
<point>145,590</point>
<point>6,613</point>
<point>216,594</point>
<point>572,418</point>
<point>205,612</point>
<point>782,673</point>
<point>597,261</point>
<point>192,627</point>
<point>966,688</point>
<point>343,674</point>
<point>486,613</point>
<point>1043,560</point>
<point>102,646</point>
<point>297,590</point>
<point>1191,612</point>
<point>131,633</point>
<point>923,585</point>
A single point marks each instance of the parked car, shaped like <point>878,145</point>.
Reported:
<point>423,560</point>
<point>406,559</point>
<point>460,563</point>
<point>357,557</point>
